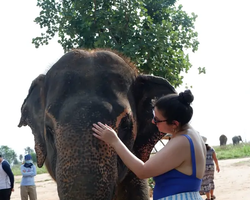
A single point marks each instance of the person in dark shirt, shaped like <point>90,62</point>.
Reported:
<point>6,180</point>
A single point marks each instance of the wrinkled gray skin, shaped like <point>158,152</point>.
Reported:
<point>223,140</point>
<point>236,139</point>
<point>82,88</point>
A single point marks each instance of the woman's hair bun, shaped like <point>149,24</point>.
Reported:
<point>186,97</point>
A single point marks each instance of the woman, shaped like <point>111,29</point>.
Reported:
<point>207,186</point>
<point>179,167</point>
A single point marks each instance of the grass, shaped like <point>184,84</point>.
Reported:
<point>16,170</point>
<point>230,151</point>
<point>242,163</point>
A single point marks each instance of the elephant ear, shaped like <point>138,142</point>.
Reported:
<point>32,114</point>
<point>147,88</point>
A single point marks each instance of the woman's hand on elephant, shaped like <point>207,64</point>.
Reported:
<point>105,133</point>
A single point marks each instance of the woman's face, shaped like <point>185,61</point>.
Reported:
<point>161,122</point>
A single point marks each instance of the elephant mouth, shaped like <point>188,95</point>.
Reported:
<point>22,123</point>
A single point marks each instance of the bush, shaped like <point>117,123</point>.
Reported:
<point>151,183</point>
<point>233,151</point>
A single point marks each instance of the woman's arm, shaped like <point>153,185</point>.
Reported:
<point>170,157</point>
<point>129,159</point>
<point>216,161</point>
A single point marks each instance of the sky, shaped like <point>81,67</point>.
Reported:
<point>222,95</point>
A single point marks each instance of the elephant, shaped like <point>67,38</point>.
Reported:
<point>82,88</point>
<point>237,139</point>
<point>223,140</point>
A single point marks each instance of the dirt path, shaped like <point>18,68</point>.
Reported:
<point>45,186</point>
<point>232,183</point>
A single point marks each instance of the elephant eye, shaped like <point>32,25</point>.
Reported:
<point>49,134</point>
<point>49,130</point>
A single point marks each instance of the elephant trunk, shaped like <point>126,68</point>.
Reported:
<point>86,167</point>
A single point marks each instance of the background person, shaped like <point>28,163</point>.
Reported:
<point>6,180</point>
<point>207,186</point>
<point>179,166</point>
<point>28,188</point>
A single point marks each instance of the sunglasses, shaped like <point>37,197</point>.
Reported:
<point>156,120</point>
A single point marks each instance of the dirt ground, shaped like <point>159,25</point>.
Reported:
<point>232,182</point>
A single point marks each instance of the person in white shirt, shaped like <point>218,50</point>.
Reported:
<point>6,180</point>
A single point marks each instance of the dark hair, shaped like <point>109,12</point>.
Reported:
<point>176,107</point>
<point>207,147</point>
<point>0,155</point>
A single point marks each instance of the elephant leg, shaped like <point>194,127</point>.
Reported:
<point>133,188</point>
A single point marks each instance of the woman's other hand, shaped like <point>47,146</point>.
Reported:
<point>105,133</point>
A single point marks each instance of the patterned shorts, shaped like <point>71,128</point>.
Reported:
<point>184,196</point>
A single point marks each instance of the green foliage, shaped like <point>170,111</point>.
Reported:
<point>151,183</point>
<point>231,151</point>
<point>33,155</point>
<point>21,157</point>
<point>153,33</point>
<point>16,170</point>
<point>28,150</point>
<point>8,154</point>
<point>15,161</point>
<point>202,70</point>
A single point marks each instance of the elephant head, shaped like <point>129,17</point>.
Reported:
<point>81,88</point>
<point>223,140</point>
<point>236,139</point>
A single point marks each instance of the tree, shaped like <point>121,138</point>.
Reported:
<point>21,157</point>
<point>152,33</point>
<point>15,162</point>
<point>28,150</point>
<point>8,154</point>
<point>33,155</point>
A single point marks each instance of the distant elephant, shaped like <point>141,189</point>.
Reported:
<point>237,139</point>
<point>82,88</point>
<point>223,140</point>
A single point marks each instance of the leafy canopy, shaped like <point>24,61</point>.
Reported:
<point>8,154</point>
<point>152,33</point>
<point>28,150</point>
